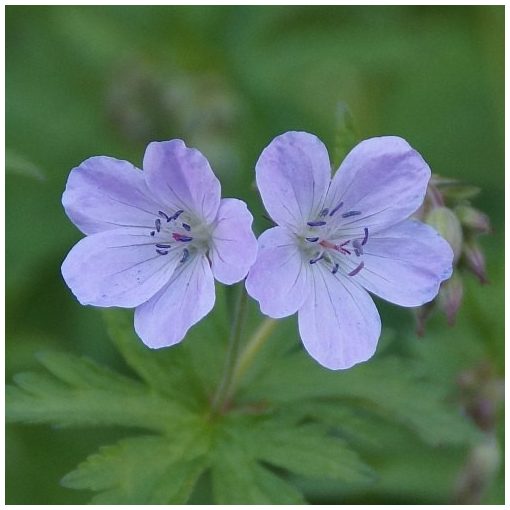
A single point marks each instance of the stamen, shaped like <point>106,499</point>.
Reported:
<point>348,214</point>
<point>164,216</point>
<point>324,212</point>
<point>316,223</point>
<point>162,252</point>
<point>152,233</point>
<point>182,238</point>
<point>164,246</point>
<point>176,215</point>
<point>185,255</point>
<point>365,239</point>
<point>186,227</point>
<point>358,250</point>
<point>355,271</point>
<point>335,269</point>
<point>158,224</point>
<point>316,259</point>
<point>312,239</point>
<point>336,208</point>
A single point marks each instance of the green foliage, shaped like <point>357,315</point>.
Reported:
<point>275,429</point>
<point>144,470</point>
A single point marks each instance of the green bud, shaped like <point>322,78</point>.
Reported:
<point>475,260</point>
<point>450,297</point>
<point>448,225</point>
<point>473,219</point>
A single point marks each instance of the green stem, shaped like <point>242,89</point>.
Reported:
<point>246,357</point>
<point>223,391</point>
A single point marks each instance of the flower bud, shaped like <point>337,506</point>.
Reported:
<point>448,225</point>
<point>475,260</point>
<point>473,219</point>
<point>450,297</point>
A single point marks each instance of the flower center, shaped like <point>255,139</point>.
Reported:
<point>179,231</point>
<point>325,241</point>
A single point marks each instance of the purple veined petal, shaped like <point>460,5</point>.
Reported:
<point>280,278</point>
<point>104,193</point>
<point>181,178</point>
<point>381,182</point>
<point>405,264</point>
<point>188,297</point>
<point>117,268</point>
<point>234,246</point>
<point>339,323</point>
<point>293,174</point>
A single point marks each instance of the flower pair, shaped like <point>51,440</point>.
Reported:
<point>157,239</point>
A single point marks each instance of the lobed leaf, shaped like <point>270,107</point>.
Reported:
<point>389,386</point>
<point>79,392</point>
<point>144,470</point>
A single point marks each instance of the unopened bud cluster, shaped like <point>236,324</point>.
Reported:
<point>448,209</point>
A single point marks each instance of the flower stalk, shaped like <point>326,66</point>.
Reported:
<point>223,391</point>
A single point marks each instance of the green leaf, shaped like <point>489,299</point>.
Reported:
<point>195,364</point>
<point>144,470</point>
<point>390,386</point>
<point>79,392</point>
<point>238,478</point>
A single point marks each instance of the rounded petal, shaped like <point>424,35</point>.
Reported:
<point>181,178</point>
<point>406,263</point>
<point>339,323</point>
<point>188,297</point>
<point>280,278</point>
<point>382,181</point>
<point>293,174</point>
<point>117,268</point>
<point>234,246</point>
<point>104,193</point>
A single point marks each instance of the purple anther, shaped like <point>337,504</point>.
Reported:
<point>152,233</point>
<point>324,212</point>
<point>312,239</point>
<point>186,227</point>
<point>348,214</point>
<point>358,250</point>
<point>164,216</point>
<point>185,255</point>
<point>182,238</point>
<point>164,246</point>
<point>336,208</point>
<point>355,271</point>
<point>316,259</point>
<point>316,223</point>
<point>162,252</point>
<point>365,239</point>
<point>335,269</point>
<point>158,224</point>
<point>176,215</point>
<point>345,251</point>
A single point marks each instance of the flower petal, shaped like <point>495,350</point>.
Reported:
<point>406,263</point>
<point>339,323</point>
<point>117,268</point>
<point>104,193</point>
<point>181,178</point>
<point>189,296</point>
<point>383,178</point>
<point>279,279</point>
<point>293,174</point>
<point>234,246</point>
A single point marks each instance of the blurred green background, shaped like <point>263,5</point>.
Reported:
<point>85,81</point>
